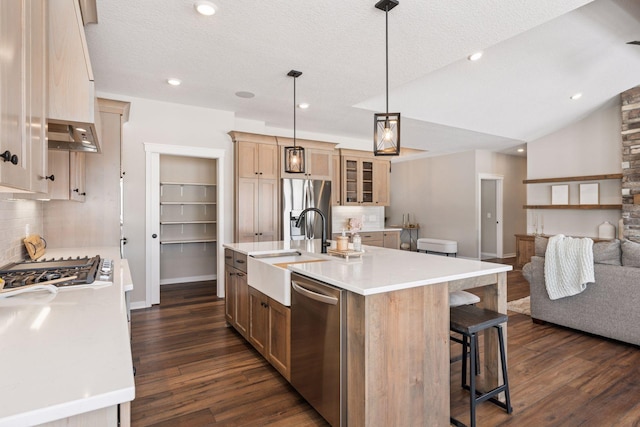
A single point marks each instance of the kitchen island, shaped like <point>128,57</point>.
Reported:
<point>66,357</point>
<point>398,326</point>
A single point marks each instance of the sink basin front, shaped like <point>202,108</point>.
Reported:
<point>271,276</point>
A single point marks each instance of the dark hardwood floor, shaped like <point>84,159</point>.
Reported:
<point>194,371</point>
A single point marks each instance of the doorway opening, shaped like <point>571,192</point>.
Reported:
<point>490,220</point>
<point>185,219</point>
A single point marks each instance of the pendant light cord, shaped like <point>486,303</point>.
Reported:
<point>294,111</point>
<point>386,42</point>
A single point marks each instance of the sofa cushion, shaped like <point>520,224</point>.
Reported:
<point>630,253</point>
<point>607,252</point>
<point>541,245</point>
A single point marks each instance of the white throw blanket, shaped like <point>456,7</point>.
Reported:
<point>568,266</point>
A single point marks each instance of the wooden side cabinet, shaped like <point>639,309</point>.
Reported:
<point>525,249</point>
<point>270,330</point>
<point>391,239</point>
<point>236,291</point>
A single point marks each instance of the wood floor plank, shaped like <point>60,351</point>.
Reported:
<point>194,371</point>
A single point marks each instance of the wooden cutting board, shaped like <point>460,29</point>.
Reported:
<point>35,246</point>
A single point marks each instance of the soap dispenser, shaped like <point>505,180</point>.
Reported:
<point>357,242</point>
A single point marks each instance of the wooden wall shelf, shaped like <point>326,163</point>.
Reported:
<point>573,178</point>
<point>592,207</point>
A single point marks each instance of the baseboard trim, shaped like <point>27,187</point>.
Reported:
<point>188,279</point>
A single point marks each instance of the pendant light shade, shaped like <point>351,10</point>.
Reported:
<point>386,126</point>
<point>294,155</point>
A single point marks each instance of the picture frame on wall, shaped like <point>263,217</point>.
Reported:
<point>590,194</point>
<point>560,194</point>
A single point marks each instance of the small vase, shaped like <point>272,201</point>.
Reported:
<point>606,231</point>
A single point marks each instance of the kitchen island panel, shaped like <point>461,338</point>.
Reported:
<point>397,342</point>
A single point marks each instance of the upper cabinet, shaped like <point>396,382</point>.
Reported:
<point>74,121</point>
<point>257,160</point>
<point>69,172</point>
<point>318,159</point>
<point>365,179</point>
<point>23,74</point>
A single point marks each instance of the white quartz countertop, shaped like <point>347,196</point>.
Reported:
<point>379,270</point>
<point>67,353</point>
<point>368,230</point>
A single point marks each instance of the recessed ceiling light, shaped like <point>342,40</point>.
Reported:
<point>475,56</point>
<point>174,82</point>
<point>205,8</point>
<point>303,105</point>
<point>245,94</point>
<point>520,150</point>
<point>576,96</point>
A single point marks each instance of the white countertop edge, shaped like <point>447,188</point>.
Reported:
<point>395,287</point>
<point>69,409</point>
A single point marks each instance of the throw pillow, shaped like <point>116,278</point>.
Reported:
<point>541,245</point>
<point>607,252</point>
<point>630,253</point>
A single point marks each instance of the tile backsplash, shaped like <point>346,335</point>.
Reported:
<point>372,217</point>
<point>15,217</point>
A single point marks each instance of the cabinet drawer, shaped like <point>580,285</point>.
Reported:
<point>228,257</point>
<point>374,238</point>
<point>240,261</point>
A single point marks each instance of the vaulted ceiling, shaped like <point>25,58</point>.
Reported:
<point>536,54</point>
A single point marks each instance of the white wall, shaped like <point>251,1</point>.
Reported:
<point>15,217</point>
<point>591,146</point>
<point>440,193</point>
<point>514,171</point>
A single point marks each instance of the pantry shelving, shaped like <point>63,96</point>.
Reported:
<point>188,213</point>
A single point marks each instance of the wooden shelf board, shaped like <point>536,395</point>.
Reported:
<point>175,242</point>
<point>186,222</point>
<point>195,184</point>
<point>572,206</point>
<point>573,178</point>
<point>188,203</point>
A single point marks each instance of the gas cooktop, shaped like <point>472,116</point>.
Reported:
<point>79,271</point>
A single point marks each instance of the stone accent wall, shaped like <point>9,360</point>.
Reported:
<point>631,163</point>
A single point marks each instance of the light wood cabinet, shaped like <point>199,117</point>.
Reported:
<point>236,291</point>
<point>386,239</point>
<point>365,180</point>
<point>270,330</point>
<point>23,110</point>
<point>69,173</point>
<point>318,159</point>
<point>391,239</point>
<point>257,189</point>
<point>257,160</point>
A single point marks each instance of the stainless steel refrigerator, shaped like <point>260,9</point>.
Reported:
<point>299,194</point>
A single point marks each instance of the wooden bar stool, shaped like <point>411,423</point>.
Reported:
<point>468,320</point>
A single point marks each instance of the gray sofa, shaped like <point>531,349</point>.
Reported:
<point>610,307</point>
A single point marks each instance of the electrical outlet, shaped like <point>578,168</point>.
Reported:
<point>489,215</point>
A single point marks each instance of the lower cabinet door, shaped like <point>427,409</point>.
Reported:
<point>229,294</point>
<point>258,320</point>
<point>242,303</point>
<point>279,346</point>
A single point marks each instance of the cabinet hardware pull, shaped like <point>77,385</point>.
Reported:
<point>8,157</point>
<point>51,177</point>
<point>240,261</point>
<point>240,274</point>
<point>154,235</point>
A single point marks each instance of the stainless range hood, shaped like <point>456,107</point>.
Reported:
<point>71,137</point>
<point>74,118</point>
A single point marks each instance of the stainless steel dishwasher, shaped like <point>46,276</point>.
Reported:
<point>318,346</point>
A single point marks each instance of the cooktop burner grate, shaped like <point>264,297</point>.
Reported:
<point>25,273</point>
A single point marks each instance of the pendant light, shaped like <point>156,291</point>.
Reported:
<point>386,126</point>
<point>294,156</point>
